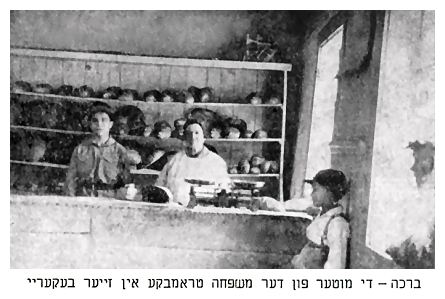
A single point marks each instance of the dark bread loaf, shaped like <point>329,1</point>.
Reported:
<point>21,86</point>
<point>152,96</point>
<point>156,194</point>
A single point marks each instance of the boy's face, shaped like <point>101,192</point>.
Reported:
<point>101,124</point>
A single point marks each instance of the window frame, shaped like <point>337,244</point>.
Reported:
<point>317,39</point>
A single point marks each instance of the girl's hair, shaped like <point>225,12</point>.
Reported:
<point>333,180</point>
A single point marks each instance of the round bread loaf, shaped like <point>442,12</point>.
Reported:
<point>260,134</point>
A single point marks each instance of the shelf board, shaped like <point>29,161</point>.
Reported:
<point>30,128</point>
<point>231,104</point>
<point>52,165</point>
<point>165,142</point>
<point>254,140</point>
<point>146,172</point>
<point>137,171</point>
<point>41,164</point>
<point>261,175</point>
<point>133,59</point>
<point>55,97</point>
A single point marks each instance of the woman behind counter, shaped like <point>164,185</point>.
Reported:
<point>196,162</point>
<point>328,233</point>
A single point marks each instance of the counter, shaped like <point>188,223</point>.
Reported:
<point>82,232</point>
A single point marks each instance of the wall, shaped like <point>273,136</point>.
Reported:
<point>354,135</point>
<point>59,232</point>
<point>399,208</point>
<point>352,143</point>
<point>154,33</point>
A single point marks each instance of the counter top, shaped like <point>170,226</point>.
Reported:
<point>117,203</point>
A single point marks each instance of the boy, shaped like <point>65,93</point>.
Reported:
<point>98,164</point>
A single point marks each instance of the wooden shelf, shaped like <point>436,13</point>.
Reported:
<point>138,171</point>
<point>202,63</point>
<point>261,175</point>
<point>164,142</point>
<point>146,172</point>
<point>209,140</point>
<point>52,165</point>
<point>54,97</point>
<point>231,79</point>
<point>29,128</point>
<point>41,164</point>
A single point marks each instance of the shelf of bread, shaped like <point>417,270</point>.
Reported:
<point>141,171</point>
<point>142,138</point>
<point>240,105</point>
<point>54,97</point>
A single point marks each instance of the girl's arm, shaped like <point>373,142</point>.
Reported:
<point>337,240</point>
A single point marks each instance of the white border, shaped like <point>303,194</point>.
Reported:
<point>15,280</point>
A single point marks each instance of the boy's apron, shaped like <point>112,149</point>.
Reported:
<point>314,256</point>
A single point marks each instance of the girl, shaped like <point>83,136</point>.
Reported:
<point>328,233</point>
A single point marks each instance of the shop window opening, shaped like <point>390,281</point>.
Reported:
<point>323,109</point>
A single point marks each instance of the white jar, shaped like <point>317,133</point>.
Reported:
<point>131,192</point>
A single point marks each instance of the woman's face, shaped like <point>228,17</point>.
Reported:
<point>194,138</point>
<point>321,196</point>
